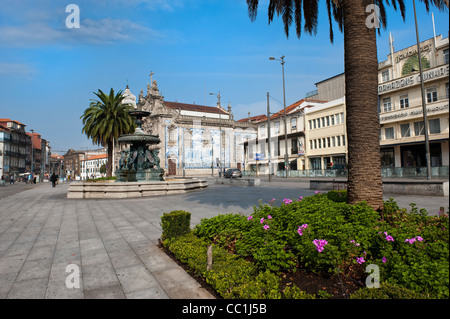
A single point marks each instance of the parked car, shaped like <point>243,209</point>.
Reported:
<point>232,172</point>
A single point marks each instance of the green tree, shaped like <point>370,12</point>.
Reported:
<point>106,119</point>
<point>361,78</point>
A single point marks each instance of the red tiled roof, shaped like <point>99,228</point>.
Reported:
<point>194,107</point>
<point>256,118</point>
<point>9,120</point>
<point>293,106</point>
<point>93,157</point>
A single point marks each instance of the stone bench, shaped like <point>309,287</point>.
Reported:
<point>133,189</point>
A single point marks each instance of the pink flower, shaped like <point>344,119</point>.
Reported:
<point>300,198</point>
<point>317,192</point>
<point>287,201</point>
<point>412,240</point>
<point>262,220</point>
<point>269,217</point>
<point>320,244</point>
<point>266,227</point>
<point>301,228</point>
<point>388,237</point>
<point>419,238</point>
<point>384,259</point>
<point>250,217</point>
<point>360,260</point>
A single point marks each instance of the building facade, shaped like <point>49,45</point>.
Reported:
<point>13,148</point>
<point>325,135</point>
<point>91,167</point>
<point>257,151</point>
<point>195,139</point>
<point>402,135</point>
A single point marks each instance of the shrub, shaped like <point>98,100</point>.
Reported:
<point>231,277</point>
<point>385,291</point>
<point>175,223</point>
<point>339,196</point>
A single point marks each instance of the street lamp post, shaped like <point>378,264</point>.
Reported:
<point>32,155</point>
<point>424,108</point>
<point>220,133</point>
<point>286,156</point>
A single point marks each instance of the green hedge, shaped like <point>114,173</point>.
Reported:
<point>386,291</point>
<point>231,277</point>
<point>175,223</point>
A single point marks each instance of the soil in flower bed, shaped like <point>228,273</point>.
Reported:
<point>328,286</point>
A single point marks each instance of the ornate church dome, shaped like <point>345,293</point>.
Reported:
<point>129,98</point>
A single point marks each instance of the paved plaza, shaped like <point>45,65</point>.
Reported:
<point>49,244</point>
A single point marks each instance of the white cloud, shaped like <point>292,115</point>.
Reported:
<point>16,69</point>
<point>103,31</point>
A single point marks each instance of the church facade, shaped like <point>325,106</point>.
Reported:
<point>196,140</point>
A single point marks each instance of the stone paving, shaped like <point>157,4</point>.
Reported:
<point>112,244</point>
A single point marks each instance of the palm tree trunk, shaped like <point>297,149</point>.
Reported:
<point>110,164</point>
<point>361,94</point>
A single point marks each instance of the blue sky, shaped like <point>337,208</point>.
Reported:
<point>48,72</point>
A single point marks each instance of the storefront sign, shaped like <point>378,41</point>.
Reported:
<point>428,75</point>
<point>412,113</point>
<point>411,53</point>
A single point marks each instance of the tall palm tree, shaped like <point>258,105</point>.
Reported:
<point>361,79</point>
<point>106,119</point>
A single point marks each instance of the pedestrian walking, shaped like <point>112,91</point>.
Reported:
<point>11,180</point>
<point>53,179</point>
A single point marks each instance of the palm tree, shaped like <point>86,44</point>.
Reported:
<point>361,79</point>
<point>106,119</point>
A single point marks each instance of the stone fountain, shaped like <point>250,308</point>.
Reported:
<point>139,162</point>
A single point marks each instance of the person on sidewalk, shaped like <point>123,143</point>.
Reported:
<point>53,179</point>
<point>11,180</point>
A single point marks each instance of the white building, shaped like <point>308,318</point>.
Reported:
<point>90,167</point>
<point>402,135</point>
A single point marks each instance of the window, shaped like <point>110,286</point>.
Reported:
<point>323,122</point>
<point>446,90</point>
<point>404,101</point>
<point>329,141</point>
<point>338,140</point>
<point>446,56</point>
<point>332,116</point>
<point>343,140</point>
<point>318,123</point>
<point>405,131</point>
<point>315,144</point>
<point>324,142</point>
<point>320,143</point>
<point>310,124</point>
<point>389,133</point>
<point>294,146</point>
<point>337,119</point>
<point>294,123</point>
<point>311,144</point>
<point>342,118</point>
<point>431,94</point>
<point>418,128</point>
<point>328,121</point>
<point>314,123</point>
<point>262,131</point>
<point>333,139</point>
<point>435,126</point>
<point>385,76</point>
<point>277,127</point>
<point>387,104</point>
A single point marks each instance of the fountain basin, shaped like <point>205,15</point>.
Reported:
<point>134,189</point>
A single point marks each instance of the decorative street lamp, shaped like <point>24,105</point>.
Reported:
<point>286,156</point>
<point>220,134</point>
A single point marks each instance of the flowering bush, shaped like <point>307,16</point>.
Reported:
<point>324,235</point>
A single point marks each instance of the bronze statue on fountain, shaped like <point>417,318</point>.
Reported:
<point>139,162</point>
